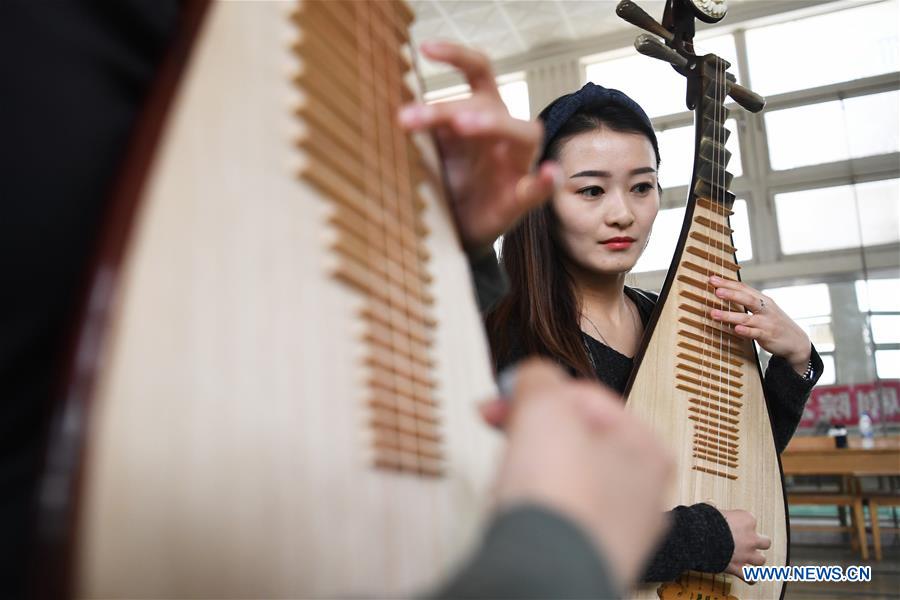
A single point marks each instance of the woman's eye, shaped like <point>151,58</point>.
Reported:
<point>592,191</point>
<point>643,188</point>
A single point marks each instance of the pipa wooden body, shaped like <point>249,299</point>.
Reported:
<point>281,399</point>
<point>696,382</point>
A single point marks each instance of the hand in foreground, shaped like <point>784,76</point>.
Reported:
<point>747,543</point>
<point>767,323</point>
<point>573,448</point>
<point>487,154</point>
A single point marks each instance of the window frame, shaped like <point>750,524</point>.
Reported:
<point>866,316</point>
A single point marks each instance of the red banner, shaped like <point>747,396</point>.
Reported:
<point>842,404</point>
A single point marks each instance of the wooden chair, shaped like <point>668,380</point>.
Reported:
<point>851,499</point>
<point>876,500</point>
<point>847,496</point>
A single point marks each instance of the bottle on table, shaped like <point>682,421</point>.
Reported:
<point>866,431</point>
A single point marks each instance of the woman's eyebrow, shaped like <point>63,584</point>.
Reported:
<point>638,171</point>
<point>590,174</point>
<point>642,170</point>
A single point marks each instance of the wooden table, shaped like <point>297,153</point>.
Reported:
<point>818,456</point>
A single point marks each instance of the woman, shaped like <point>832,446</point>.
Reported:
<point>567,262</point>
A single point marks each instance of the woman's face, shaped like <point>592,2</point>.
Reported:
<point>609,199</point>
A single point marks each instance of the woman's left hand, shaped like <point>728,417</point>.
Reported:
<point>766,323</point>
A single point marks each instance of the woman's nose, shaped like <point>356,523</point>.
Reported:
<point>618,213</point>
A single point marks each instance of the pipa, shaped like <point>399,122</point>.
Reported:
<point>696,382</point>
<point>273,392</point>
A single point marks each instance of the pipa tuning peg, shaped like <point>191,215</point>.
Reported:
<point>746,98</point>
<point>635,15</point>
<point>652,47</point>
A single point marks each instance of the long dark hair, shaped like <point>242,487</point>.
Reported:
<point>540,314</point>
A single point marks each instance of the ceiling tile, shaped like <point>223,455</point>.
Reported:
<point>527,13</point>
<point>487,24</point>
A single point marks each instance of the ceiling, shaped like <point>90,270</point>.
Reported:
<point>503,28</point>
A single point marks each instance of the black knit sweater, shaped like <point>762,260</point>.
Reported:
<point>699,538</point>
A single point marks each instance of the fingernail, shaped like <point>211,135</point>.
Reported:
<point>714,279</point>
<point>433,46</point>
<point>721,292</point>
<point>716,314</point>
<point>410,115</point>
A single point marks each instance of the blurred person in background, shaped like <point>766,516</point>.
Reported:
<point>77,77</point>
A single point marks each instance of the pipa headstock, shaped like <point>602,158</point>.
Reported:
<point>708,84</point>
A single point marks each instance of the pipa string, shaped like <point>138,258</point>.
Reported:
<point>401,160</point>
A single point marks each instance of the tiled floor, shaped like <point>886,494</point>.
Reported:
<point>812,548</point>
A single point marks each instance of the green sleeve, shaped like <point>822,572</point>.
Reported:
<point>491,282</point>
<point>532,552</point>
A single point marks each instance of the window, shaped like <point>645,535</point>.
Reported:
<point>676,149</point>
<point>857,127</point>
<point>802,301</point>
<point>881,298</point>
<point>835,217</point>
<point>513,91</point>
<point>740,222</point>
<point>847,120</point>
<point>887,364</point>
<point>652,83</point>
<point>838,46</point>
<point>829,375</point>
<point>886,329</point>
<point>448,94</point>
<point>878,295</point>
<point>664,239</point>
<point>810,307</point>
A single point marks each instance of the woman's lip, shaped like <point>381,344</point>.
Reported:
<point>618,245</point>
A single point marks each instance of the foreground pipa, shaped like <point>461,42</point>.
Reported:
<point>695,381</point>
<point>276,378</point>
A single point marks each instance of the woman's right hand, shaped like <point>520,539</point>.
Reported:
<point>487,154</point>
<point>747,543</point>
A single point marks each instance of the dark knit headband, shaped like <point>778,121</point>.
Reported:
<point>561,110</point>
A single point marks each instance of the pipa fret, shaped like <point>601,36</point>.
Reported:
<point>725,390</point>
<point>709,375</point>
<point>717,244</point>
<point>717,227</point>
<point>714,457</point>
<point>712,258</point>
<point>716,472</point>
<point>703,270</point>
<point>712,329</point>
<point>704,441</point>
<point>352,82</point>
